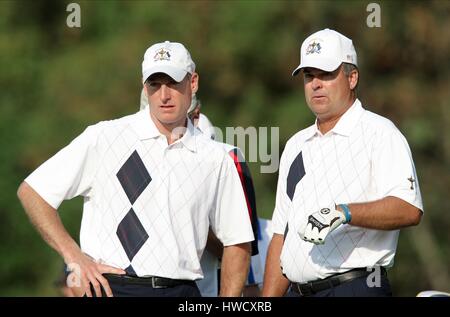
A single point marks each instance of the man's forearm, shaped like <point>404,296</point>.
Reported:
<point>46,220</point>
<point>234,269</point>
<point>389,213</point>
<point>275,284</point>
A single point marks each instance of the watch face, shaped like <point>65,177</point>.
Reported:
<point>325,211</point>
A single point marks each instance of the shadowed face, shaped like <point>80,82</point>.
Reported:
<point>169,100</point>
<point>328,94</point>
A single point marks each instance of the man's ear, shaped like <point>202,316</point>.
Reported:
<point>353,79</point>
<point>194,83</point>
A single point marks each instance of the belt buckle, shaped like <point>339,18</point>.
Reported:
<point>153,278</point>
<point>299,289</point>
<point>309,289</point>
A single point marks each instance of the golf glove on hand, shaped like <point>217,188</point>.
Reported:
<point>320,224</point>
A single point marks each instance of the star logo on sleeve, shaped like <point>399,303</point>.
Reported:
<point>412,180</point>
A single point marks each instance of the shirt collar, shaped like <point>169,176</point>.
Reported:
<point>312,131</point>
<point>189,137</point>
<point>349,119</point>
<point>146,129</point>
<point>144,125</point>
<point>345,124</point>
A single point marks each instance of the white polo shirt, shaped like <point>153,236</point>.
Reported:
<point>147,204</point>
<point>363,158</point>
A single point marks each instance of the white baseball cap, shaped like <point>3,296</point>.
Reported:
<point>169,58</point>
<point>326,50</point>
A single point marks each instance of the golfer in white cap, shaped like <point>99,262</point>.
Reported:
<point>346,185</point>
<point>150,195</point>
<point>210,261</point>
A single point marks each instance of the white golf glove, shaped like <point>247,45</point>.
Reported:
<point>320,224</point>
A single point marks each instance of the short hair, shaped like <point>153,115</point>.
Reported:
<point>348,68</point>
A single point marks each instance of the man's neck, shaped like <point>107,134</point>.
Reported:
<point>326,124</point>
<point>172,131</point>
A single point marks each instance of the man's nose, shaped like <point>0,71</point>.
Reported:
<point>316,83</point>
<point>165,93</point>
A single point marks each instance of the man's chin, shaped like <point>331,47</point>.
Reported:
<point>319,107</point>
<point>174,123</point>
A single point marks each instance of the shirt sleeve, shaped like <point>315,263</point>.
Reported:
<point>393,169</point>
<point>282,201</point>
<point>229,219</point>
<point>69,172</point>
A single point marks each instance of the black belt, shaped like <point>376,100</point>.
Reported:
<point>153,281</point>
<point>310,288</point>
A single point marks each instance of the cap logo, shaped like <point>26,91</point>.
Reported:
<point>162,55</point>
<point>312,48</point>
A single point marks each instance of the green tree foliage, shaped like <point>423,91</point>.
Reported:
<point>56,80</point>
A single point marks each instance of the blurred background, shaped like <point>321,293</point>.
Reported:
<point>56,80</point>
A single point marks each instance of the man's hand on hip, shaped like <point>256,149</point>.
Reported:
<point>86,272</point>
